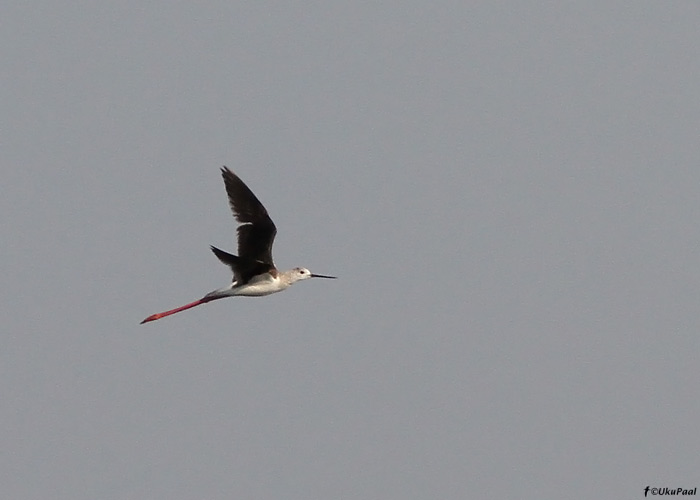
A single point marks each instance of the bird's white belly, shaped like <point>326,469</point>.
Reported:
<point>258,287</point>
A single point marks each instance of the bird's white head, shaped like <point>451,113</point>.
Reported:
<point>301,273</point>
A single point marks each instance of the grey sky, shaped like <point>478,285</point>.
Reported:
<point>508,192</point>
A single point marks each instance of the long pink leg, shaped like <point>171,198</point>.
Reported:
<point>156,316</point>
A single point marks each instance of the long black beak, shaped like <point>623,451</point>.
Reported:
<point>323,276</point>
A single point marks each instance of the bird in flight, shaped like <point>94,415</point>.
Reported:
<point>254,273</point>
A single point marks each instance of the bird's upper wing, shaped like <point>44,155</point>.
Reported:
<point>243,269</point>
<point>257,231</point>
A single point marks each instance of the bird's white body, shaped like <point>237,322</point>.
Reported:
<point>263,284</point>
<point>257,287</point>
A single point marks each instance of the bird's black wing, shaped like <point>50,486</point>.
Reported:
<point>256,232</point>
<point>243,269</point>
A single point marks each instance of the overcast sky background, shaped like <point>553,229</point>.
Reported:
<point>508,192</point>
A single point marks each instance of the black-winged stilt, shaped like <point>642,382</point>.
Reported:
<point>254,273</point>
